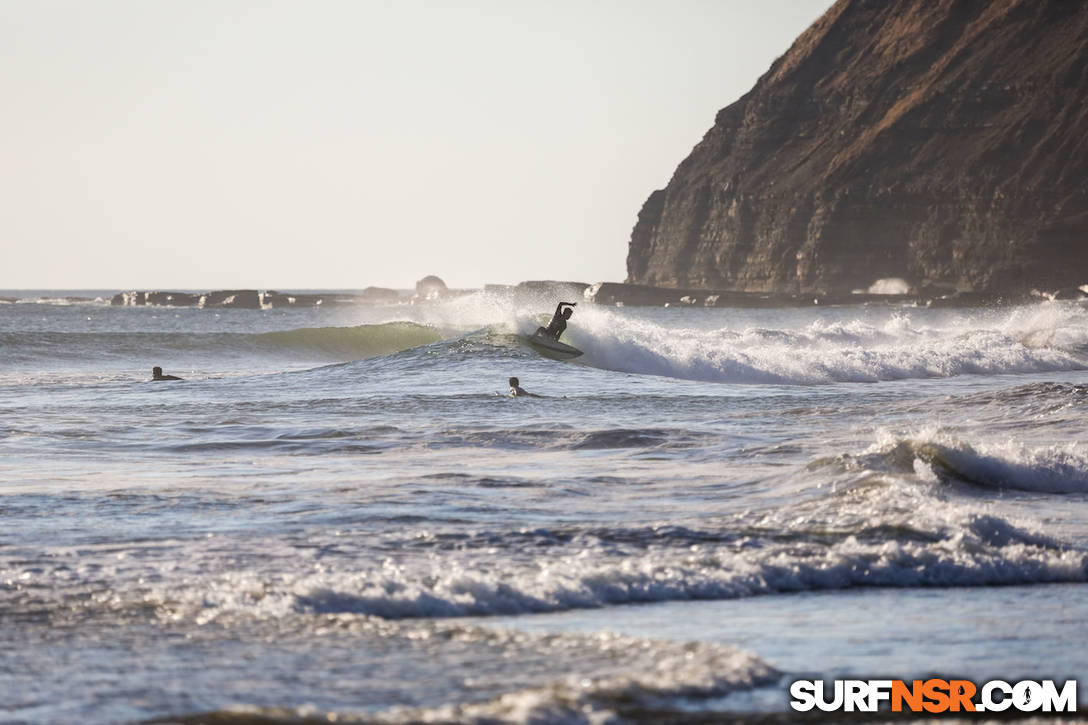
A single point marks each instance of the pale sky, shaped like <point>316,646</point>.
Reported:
<point>341,144</point>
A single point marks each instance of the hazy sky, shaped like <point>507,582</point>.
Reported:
<point>207,144</point>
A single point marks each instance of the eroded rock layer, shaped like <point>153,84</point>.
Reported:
<point>944,142</point>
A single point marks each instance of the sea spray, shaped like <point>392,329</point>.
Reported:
<point>857,350</point>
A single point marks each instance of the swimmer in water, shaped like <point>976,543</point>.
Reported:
<point>558,324</point>
<point>156,374</point>
<point>517,391</point>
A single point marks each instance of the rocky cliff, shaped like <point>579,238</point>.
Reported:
<point>940,141</point>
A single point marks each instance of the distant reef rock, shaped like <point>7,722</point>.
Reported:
<point>940,142</point>
<point>539,292</point>
<point>380,296</point>
<point>249,299</point>
<point>884,291</point>
<point>553,287</point>
<point>431,287</point>
<point>160,299</point>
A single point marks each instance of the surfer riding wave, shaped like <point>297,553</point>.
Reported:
<point>555,328</point>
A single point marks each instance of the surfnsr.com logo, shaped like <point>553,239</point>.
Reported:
<point>933,696</point>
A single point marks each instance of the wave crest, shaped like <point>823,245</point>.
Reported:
<point>863,547</point>
<point>1047,338</point>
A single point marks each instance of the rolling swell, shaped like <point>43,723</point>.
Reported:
<point>325,344</point>
<point>562,678</point>
<point>353,343</point>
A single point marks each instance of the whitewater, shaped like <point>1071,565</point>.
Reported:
<point>339,514</point>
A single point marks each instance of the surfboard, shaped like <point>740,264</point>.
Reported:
<point>553,348</point>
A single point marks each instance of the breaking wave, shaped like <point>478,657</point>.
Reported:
<point>1045,338</point>
<point>987,551</point>
<point>1054,469</point>
<point>888,538</point>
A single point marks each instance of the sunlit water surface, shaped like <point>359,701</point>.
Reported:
<point>341,511</point>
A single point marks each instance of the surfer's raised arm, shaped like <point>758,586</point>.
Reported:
<point>559,320</point>
<point>559,307</point>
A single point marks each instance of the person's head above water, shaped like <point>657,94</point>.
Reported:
<point>567,312</point>
<point>156,374</point>
<point>518,392</point>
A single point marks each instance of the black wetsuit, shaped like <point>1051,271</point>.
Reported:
<point>558,324</point>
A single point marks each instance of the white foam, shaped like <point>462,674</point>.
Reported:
<point>918,344</point>
<point>890,286</point>
<point>891,535</point>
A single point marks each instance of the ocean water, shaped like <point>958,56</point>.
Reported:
<point>339,514</point>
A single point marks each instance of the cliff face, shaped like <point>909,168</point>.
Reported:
<point>941,141</point>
